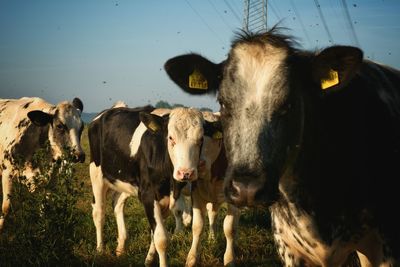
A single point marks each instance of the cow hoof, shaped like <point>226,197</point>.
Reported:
<point>99,250</point>
<point>119,252</point>
<point>1,221</point>
<point>190,261</point>
<point>229,260</point>
<point>187,219</point>
<point>150,261</point>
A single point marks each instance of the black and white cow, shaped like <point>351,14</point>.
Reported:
<point>26,125</point>
<point>313,135</point>
<point>134,152</point>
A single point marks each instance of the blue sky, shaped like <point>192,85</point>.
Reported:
<point>104,51</point>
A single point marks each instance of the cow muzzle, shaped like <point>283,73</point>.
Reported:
<point>242,195</point>
<point>186,174</point>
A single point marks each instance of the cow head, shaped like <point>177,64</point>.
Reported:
<point>183,129</point>
<point>65,129</point>
<point>261,89</point>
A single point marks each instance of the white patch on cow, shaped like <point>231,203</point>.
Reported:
<point>137,135</point>
<point>99,189</point>
<point>98,116</point>
<point>160,235</point>
<point>185,127</point>
<point>296,244</point>
<point>118,104</point>
<point>136,138</point>
<point>259,67</point>
<point>12,113</point>
<point>125,187</point>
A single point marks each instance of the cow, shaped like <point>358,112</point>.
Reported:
<point>207,194</point>
<point>137,153</point>
<point>314,136</point>
<point>27,125</point>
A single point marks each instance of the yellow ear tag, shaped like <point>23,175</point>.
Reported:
<point>332,80</point>
<point>153,126</point>
<point>217,135</point>
<point>197,80</point>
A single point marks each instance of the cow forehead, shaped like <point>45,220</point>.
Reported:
<point>69,115</point>
<point>260,74</point>
<point>185,123</point>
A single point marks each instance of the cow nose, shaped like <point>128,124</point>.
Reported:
<point>186,174</point>
<point>240,194</point>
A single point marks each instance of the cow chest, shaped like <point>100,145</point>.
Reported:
<point>298,241</point>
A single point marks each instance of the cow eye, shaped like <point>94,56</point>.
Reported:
<point>60,127</point>
<point>172,141</point>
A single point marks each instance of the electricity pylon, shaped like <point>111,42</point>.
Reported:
<point>255,15</point>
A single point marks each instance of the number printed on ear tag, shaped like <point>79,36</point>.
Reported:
<point>197,80</point>
<point>332,80</point>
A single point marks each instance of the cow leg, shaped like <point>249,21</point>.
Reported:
<point>7,185</point>
<point>212,210</point>
<point>118,203</point>
<point>177,207</point>
<point>231,222</point>
<point>99,193</point>
<point>159,233</point>
<point>151,253</point>
<point>199,212</point>
<point>187,212</point>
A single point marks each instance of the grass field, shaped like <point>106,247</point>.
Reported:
<point>254,246</point>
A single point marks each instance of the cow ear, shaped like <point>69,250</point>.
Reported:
<point>213,129</point>
<point>40,118</point>
<point>335,66</point>
<point>152,122</point>
<point>77,103</point>
<point>194,73</point>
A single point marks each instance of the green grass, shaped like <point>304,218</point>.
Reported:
<point>254,245</point>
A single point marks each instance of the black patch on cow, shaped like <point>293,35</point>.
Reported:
<point>31,141</point>
<point>27,105</point>
<point>60,132</point>
<point>23,123</point>
<point>77,103</point>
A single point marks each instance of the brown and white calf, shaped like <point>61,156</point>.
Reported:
<point>207,193</point>
<point>26,125</point>
<point>134,152</point>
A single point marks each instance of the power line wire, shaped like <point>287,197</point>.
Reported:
<point>347,14</point>
<point>220,16</point>
<point>203,20</point>
<point>342,21</point>
<point>274,10</point>
<point>237,8</point>
<point>232,10</point>
<point>323,20</point>
<point>300,21</point>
